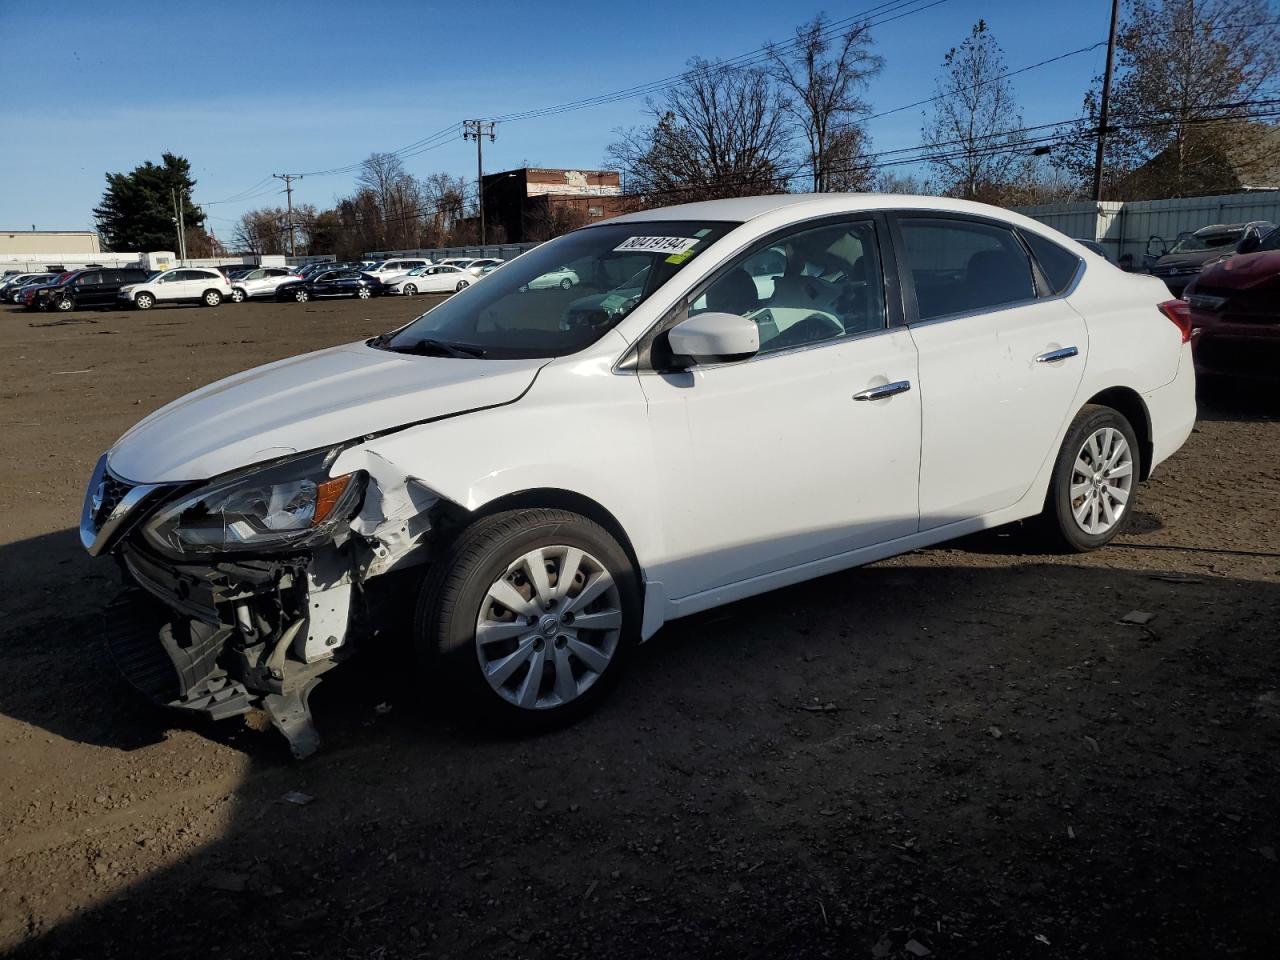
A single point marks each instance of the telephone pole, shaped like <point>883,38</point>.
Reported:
<point>1106,102</point>
<point>177,224</point>
<point>477,130</point>
<point>288,179</point>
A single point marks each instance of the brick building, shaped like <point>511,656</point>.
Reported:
<point>536,204</point>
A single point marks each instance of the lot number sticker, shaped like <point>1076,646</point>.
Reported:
<point>673,246</point>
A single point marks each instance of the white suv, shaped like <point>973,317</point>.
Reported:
<point>389,270</point>
<point>259,283</point>
<point>179,285</point>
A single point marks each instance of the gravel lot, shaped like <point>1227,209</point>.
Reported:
<point>963,751</point>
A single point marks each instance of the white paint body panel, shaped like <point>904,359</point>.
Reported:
<point>736,478</point>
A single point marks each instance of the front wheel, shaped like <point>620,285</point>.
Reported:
<point>65,303</point>
<point>408,289</point>
<point>532,614</point>
<point>211,298</point>
<point>238,295</point>
<point>301,295</point>
<point>566,283</point>
<point>363,293</point>
<point>144,301</point>
<point>1095,481</point>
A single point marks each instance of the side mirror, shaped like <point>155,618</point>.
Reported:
<point>713,338</point>
<point>1250,241</point>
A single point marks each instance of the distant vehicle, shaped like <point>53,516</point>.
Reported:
<point>441,278</point>
<point>475,267</point>
<point>389,270</point>
<point>463,262</point>
<point>14,281</point>
<point>608,308</point>
<point>179,285</point>
<point>1178,264</point>
<point>92,288</point>
<point>561,277</point>
<point>311,269</point>
<point>33,295</point>
<point>331,283</point>
<point>1235,313</point>
<point>259,282</point>
<point>230,270</point>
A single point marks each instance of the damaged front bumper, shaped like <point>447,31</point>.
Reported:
<point>220,636</point>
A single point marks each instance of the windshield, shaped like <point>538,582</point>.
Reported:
<point>534,306</point>
<point>1271,241</point>
<point>1197,243</point>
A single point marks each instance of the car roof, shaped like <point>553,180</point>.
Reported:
<point>742,209</point>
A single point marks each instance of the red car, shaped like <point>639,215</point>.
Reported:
<point>1235,314</point>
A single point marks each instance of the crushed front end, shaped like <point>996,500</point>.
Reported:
<point>243,591</point>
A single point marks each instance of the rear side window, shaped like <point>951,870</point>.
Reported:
<point>960,266</point>
<point>1059,266</point>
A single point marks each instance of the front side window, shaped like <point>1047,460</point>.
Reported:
<point>563,295</point>
<point>959,266</point>
<point>819,283</point>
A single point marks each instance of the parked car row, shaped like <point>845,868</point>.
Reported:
<point>103,287</point>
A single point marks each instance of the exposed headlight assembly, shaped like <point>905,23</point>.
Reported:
<point>289,505</point>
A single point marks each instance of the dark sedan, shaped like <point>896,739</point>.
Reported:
<point>1179,265</point>
<point>1235,314</point>
<point>331,283</point>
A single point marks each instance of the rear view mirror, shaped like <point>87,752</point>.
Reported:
<point>713,338</point>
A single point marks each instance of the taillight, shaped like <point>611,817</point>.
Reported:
<point>1179,311</point>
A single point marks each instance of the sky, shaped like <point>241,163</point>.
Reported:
<point>244,90</point>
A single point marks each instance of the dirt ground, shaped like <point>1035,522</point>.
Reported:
<point>963,752</point>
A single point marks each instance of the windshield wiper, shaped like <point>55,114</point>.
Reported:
<point>429,346</point>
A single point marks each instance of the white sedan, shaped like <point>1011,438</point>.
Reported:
<point>441,278</point>
<point>562,277</point>
<point>261,282</point>
<point>915,369</point>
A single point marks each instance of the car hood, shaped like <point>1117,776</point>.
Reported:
<point>306,403</point>
<point>1242,272</point>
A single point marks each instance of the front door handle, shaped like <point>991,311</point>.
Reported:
<point>883,391</point>
<point>1053,356</point>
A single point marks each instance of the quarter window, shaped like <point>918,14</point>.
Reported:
<point>958,266</point>
<point>1059,266</point>
<point>819,283</point>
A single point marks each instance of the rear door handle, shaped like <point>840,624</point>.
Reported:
<point>1053,356</point>
<point>884,390</point>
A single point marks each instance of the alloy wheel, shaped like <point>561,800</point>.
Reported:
<point>363,293</point>
<point>1101,481</point>
<point>548,627</point>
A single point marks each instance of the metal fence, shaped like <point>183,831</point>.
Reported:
<point>1124,228</point>
<point>502,251</point>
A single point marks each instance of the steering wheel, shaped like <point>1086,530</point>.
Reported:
<point>812,329</point>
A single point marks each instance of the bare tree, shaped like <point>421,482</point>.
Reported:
<point>824,76</point>
<point>262,231</point>
<point>718,133</point>
<point>969,134</point>
<point>1187,71</point>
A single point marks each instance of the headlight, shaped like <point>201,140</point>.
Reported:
<point>290,505</point>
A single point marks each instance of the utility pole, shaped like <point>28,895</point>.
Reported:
<point>477,130</point>
<point>288,179</point>
<point>177,224</point>
<point>1106,102</point>
<point>182,226</point>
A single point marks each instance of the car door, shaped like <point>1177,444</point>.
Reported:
<point>1000,362</point>
<point>807,451</point>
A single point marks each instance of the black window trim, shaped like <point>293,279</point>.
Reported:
<point>907,283</point>
<point>637,357</point>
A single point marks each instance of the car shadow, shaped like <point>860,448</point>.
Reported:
<point>965,759</point>
<point>1222,399</point>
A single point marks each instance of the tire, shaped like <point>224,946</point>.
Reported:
<point>566,284</point>
<point>364,293</point>
<point>65,303</point>
<point>409,290</point>
<point>491,680</point>
<point>462,285</point>
<point>238,295</point>
<point>1103,499</point>
<point>144,301</point>
<point>301,295</point>
<point>211,298</point>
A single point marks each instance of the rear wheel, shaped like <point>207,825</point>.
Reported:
<point>531,615</point>
<point>144,301</point>
<point>566,283</point>
<point>461,285</point>
<point>211,298</point>
<point>1095,481</point>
